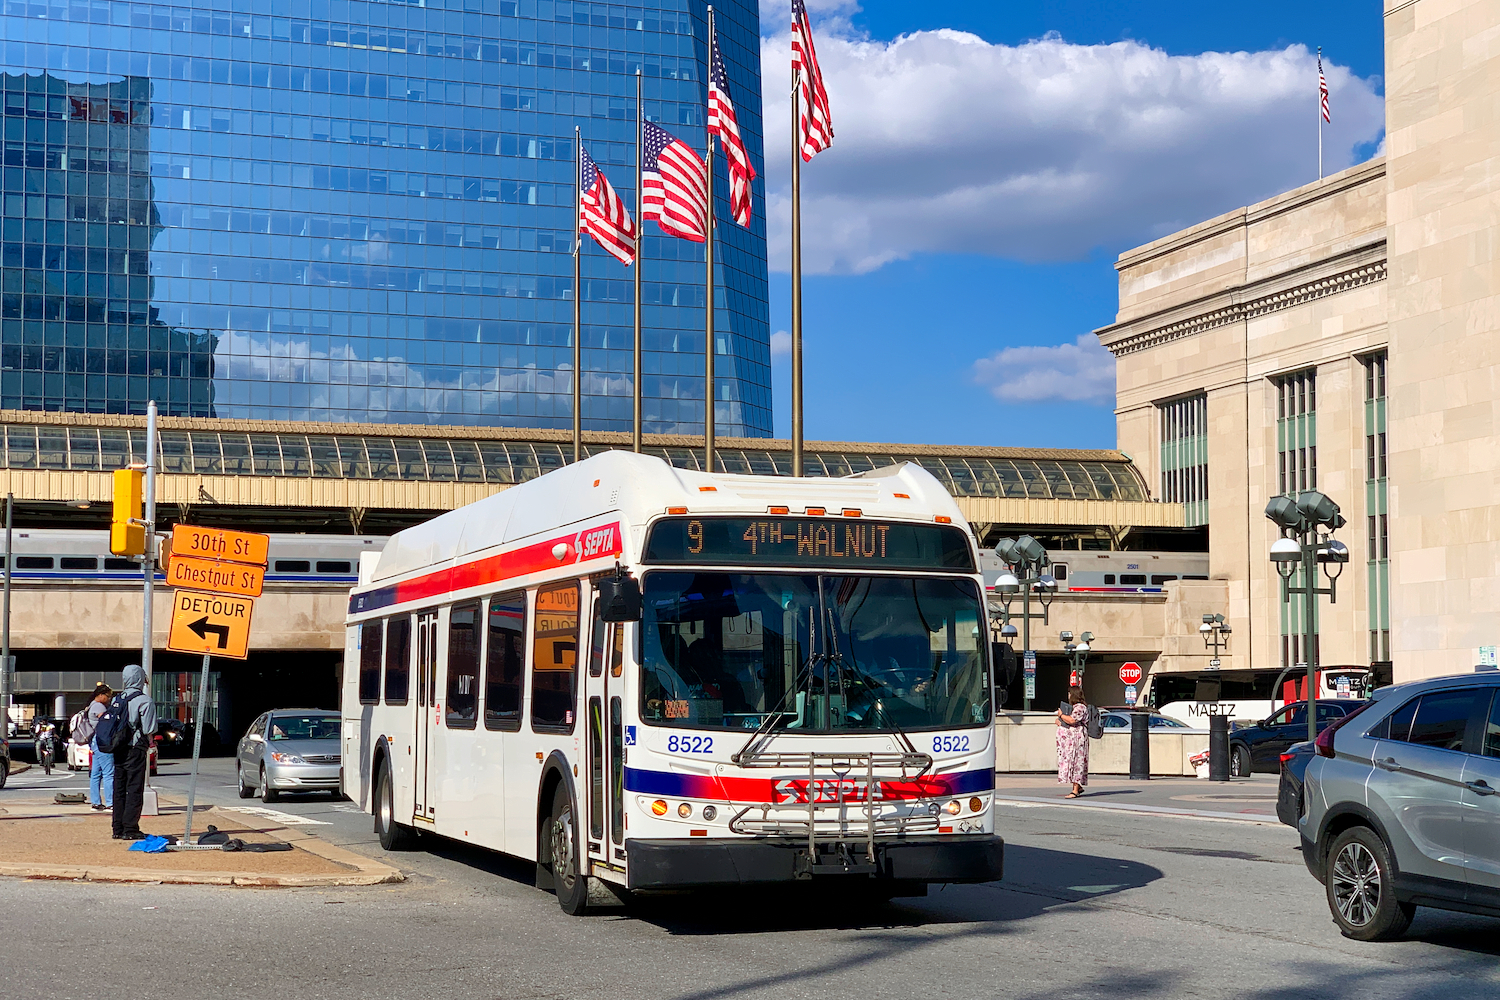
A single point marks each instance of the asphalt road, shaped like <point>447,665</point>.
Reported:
<point>1094,903</point>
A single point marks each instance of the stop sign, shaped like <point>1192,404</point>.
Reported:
<point>1130,673</point>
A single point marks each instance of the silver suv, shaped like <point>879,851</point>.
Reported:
<point>1402,805</point>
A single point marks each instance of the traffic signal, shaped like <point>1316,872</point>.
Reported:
<point>127,535</point>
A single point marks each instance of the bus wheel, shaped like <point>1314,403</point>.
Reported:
<point>393,836</point>
<point>562,848</point>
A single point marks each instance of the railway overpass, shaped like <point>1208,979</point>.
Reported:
<point>374,479</point>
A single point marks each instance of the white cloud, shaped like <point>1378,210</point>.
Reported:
<point>781,344</point>
<point>1040,151</point>
<point>1080,372</point>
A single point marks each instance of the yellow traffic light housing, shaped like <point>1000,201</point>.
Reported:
<point>127,535</point>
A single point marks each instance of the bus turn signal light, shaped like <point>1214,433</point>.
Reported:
<point>976,804</point>
<point>659,807</point>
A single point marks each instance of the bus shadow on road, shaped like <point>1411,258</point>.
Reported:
<point>1043,879</point>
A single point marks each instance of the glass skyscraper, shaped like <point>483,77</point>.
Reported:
<point>360,211</point>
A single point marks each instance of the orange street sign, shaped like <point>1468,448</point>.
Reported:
<point>220,543</point>
<point>214,576</point>
<point>210,623</point>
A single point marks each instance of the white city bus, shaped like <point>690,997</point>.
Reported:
<point>796,688</point>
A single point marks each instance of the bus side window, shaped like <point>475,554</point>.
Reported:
<point>596,641</point>
<point>617,655</point>
<point>554,658</point>
<point>370,634</point>
<point>397,659</point>
<point>463,665</point>
<point>505,662</point>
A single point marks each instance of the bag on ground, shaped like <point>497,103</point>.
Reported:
<point>114,730</point>
<point>1095,723</point>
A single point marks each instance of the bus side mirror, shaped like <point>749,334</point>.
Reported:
<point>619,598</point>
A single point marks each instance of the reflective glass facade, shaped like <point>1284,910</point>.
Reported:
<point>342,210</point>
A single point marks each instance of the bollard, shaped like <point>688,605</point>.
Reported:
<point>1218,748</point>
<point>1140,746</point>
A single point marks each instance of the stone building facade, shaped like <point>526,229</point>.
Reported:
<point>1343,336</point>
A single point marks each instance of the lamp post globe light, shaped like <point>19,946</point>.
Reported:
<point>1307,524</point>
<point>1026,560</point>
<point>1214,631</point>
<point>1078,654</point>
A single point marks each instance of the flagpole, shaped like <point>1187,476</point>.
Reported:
<point>1320,112</point>
<point>709,464</point>
<point>796,286</point>
<point>577,295</point>
<point>640,246</point>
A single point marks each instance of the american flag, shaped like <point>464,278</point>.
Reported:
<point>815,123</point>
<point>602,214</point>
<point>1323,90</point>
<point>722,123</point>
<point>674,185</point>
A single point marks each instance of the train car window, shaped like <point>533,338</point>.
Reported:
<point>554,658</point>
<point>463,666</point>
<point>334,566</point>
<point>1187,577</point>
<point>33,562</point>
<point>1133,579</point>
<point>122,564</point>
<point>293,566</point>
<point>1109,579</point>
<point>1159,579</point>
<point>79,562</point>
<point>370,636</point>
<point>397,659</point>
<point>1059,572</point>
<point>505,661</point>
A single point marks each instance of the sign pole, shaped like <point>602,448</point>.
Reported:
<point>187,835</point>
<point>7,675</point>
<point>148,562</point>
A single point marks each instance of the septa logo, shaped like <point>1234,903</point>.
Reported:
<point>823,790</point>
<point>600,541</point>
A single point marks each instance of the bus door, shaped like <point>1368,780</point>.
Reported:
<point>605,750</point>
<point>427,712</point>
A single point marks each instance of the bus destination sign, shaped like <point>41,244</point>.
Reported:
<point>824,542</point>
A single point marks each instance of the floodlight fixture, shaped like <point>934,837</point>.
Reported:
<point>1283,512</point>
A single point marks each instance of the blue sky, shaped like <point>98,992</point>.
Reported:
<point>954,263</point>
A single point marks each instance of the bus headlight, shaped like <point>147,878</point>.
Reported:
<point>684,810</point>
<point>709,813</point>
<point>953,808</point>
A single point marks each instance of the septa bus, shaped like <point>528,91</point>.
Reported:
<point>801,690</point>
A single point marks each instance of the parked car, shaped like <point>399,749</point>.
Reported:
<point>1294,761</point>
<point>1120,719</point>
<point>289,750</point>
<point>1258,748</point>
<point>1403,806</point>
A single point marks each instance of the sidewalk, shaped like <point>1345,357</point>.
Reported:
<point>40,839</point>
<point>1247,800</point>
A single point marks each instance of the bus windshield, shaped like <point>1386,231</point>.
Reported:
<point>819,652</point>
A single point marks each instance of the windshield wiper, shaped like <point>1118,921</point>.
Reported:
<point>806,671</point>
<point>871,685</point>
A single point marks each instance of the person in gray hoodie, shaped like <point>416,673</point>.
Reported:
<point>130,763</point>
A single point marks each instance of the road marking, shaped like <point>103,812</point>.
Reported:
<point>1165,812</point>
<point>286,819</point>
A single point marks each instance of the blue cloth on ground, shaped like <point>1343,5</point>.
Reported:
<point>151,845</point>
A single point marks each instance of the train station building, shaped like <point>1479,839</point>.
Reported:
<point>1343,337</point>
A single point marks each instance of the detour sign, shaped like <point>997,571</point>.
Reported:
<point>210,623</point>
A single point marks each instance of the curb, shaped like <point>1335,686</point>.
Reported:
<point>365,871</point>
<point>1171,812</point>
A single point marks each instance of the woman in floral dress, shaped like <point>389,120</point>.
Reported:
<point>1073,743</point>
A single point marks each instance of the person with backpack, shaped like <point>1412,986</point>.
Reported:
<point>125,730</point>
<point>101,765</point>
<point>1073,742</point>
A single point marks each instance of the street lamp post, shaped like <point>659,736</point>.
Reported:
<point>1078,654</point>
<point>1307,525</point>
<point>1025,559</point>
<point>1214,630</point>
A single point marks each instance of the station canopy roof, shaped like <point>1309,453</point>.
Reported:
<point>505,456</point>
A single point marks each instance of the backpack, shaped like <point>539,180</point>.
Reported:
<point>80,729</point>
<point>113,731</point>
<point>1095,724</point>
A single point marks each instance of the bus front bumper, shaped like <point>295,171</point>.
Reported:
<point>670,864</point>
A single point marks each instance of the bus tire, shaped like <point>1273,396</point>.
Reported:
<point>570,885</point>
<point>393,836</point>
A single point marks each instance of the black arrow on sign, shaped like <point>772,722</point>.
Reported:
<point>201,628</point>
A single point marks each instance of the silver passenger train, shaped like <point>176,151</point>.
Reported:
<point>66,554</point>
<point>1111,572</point>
